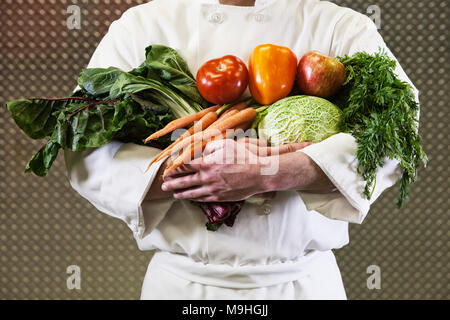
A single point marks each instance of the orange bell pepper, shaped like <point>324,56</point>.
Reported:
<point>272,71</point>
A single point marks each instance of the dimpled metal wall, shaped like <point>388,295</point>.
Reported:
<point>45,226</point>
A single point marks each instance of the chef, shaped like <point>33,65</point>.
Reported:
<point>279,250</point>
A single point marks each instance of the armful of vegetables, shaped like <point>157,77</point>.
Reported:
<point>161,95</point>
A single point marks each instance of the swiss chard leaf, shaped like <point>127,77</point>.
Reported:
<point>97,81</point>
<point>138,127</point>
<point>173,69</point>
<point>164,73</point>
<point>36,117</point>
<point>163,65</point>
<point>146,72</point>
<point>42,161</point>
<point>147,103</point>
<point>96,125</point>
<point>87,128</point>
<point>128,84</point>
<point>90,125</point>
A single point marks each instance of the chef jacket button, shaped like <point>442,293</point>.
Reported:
<point>259,17</point>
<point>266,208</point>
<point>216,18</point>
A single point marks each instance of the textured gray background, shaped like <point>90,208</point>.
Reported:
<point>45,226</point>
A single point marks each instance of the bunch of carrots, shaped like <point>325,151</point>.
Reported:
<point>214,123</point>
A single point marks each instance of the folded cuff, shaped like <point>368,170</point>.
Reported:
<point>336,156</point>
<point>127,184</point>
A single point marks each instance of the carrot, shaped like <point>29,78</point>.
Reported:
<point>196,147</point>
<point>221,118</point>
<point>242,117</point>
<point>192,151</point>
<point>204,123</point>
<point>239,107</point>
<point>180,123</point>
<point>172,158</point>
<point>246,125</point>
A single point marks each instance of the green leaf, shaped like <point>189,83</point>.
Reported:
<point>147,103</point>
<point>98,81</point>
<point>142,126</point>
<point>41,162</point>
<point>173,69</point>
<point>79,127</point>
<point>146,72</point>
<point>213,226</point>
<point>128,84</point>
<point>380,111</point>
<point>36,117</point>
<point>92,125</point>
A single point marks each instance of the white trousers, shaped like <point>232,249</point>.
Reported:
<point>315,276</point>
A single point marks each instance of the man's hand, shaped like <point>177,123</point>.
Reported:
<point>228,171</point>
<point>233,170</point>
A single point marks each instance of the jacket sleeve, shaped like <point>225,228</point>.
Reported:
<point>113,177</point>
<point>336,156</point>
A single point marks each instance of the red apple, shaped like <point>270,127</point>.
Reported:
<point>320,75</point>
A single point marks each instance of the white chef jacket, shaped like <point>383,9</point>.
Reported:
<point>283,254</point>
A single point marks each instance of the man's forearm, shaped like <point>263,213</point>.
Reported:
<point>297,171</point>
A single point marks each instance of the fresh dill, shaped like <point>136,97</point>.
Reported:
<point>381,112</point>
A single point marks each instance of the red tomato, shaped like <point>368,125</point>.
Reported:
<point>222,80</point>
